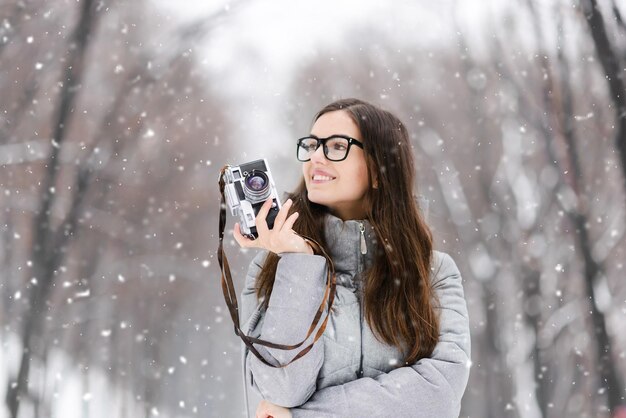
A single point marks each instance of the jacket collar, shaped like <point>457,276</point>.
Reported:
<point>343,240</point>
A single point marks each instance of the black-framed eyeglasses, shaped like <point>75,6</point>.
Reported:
<point>335,147</point>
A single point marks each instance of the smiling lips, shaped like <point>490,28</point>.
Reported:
<point>321,177</point>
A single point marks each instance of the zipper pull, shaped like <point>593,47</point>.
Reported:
<point>363,245</point>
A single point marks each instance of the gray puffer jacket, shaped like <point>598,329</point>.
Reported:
<point>350,373</point>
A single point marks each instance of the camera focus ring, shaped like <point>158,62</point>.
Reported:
<point>256,186</point>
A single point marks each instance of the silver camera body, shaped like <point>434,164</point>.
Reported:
<point>247,187</point>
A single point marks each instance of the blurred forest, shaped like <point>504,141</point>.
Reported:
<point>112,134</point>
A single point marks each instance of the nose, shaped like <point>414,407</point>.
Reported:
<point>318,155</point>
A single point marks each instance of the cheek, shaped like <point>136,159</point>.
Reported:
<point>360,178</point>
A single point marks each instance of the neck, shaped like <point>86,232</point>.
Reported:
<point>347,214</point>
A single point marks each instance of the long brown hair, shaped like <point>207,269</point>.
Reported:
<point>399,300</point>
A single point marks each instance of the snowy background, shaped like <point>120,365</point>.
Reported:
<point>115,118</point>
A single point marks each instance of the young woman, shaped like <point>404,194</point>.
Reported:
<point>397,343</point>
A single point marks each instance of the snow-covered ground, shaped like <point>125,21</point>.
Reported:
<point>75,394</point>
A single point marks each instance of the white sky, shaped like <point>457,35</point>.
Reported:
<point>282,31</point>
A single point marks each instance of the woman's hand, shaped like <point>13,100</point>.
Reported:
<point>281,238</point>
<point>269,410</point>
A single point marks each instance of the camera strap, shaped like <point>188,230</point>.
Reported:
<point>230,295</point>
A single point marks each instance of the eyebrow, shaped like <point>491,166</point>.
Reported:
<point>332,135</point>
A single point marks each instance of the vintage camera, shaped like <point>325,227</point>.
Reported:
<point>247,187</point>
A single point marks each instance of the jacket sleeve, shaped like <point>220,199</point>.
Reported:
<point>296,295</point>
<point>430,388</point>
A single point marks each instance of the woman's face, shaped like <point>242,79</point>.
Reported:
<point>338,185</point>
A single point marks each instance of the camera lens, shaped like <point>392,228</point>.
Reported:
<point>256,183</point>
<point>256,186</point>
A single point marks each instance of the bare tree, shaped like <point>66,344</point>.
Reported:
<point>48,245</point>
<point>140,169</point>
<point>594,269</point>
<point>611,66</point>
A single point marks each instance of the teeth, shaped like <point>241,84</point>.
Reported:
<point>317,177</point>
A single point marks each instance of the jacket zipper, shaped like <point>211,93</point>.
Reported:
<point>363,245</point>
<point>363,251</point>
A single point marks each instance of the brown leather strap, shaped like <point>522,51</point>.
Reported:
<point>230,295</point>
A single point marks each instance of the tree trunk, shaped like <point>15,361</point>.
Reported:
<point>532,294</point>
<point>618,16</point>
<point>499,380</point>
<point>611,67</point>
<point>45,254</point>
<point>592,267</point>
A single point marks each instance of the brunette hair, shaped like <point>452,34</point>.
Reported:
<point>399,299</point>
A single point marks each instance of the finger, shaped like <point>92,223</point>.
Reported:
<point>261,411</point>
<point>261,223</point>
<point>260,407</point>
<point>288,225</point>
<point>243,241</point>
<point>282,215</point>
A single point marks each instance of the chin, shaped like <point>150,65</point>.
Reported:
<point>317,198</point>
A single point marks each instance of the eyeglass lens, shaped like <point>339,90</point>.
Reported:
<point>335,148</point>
